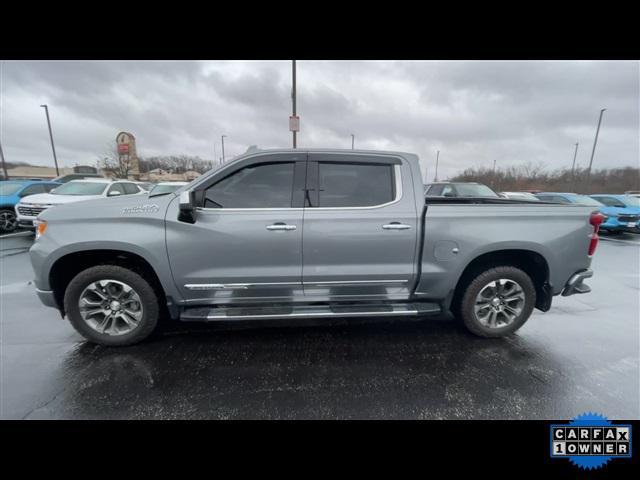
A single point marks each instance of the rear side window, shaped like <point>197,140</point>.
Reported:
<point>435,190</point>
<point>355,184</point>
<point>266,185</point>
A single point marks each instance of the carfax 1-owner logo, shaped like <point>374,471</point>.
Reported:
<point>590,441</point>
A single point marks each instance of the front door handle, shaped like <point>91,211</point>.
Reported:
<point>280,227</point>
<point>396,226</point>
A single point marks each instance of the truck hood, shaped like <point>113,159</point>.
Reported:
<point>122,208</point>
<point>51,199</point>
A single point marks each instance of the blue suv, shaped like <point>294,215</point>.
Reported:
<point>11,191</point>
<point>623,212</point>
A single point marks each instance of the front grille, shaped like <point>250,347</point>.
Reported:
<point>629,218</point>
<point>30,211</point>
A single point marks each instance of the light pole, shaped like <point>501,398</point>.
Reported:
<point>4,166</point>
<point>573,165</point>
<point>595,141</point>
<point>293,97</point>
<point>353,141</point>
<point>215,152</point>
<point>493,175</point>
<point>223,136</point>
<point>53,147</point>
<point>435,178</point>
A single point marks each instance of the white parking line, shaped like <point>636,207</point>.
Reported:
<point>17,234</point>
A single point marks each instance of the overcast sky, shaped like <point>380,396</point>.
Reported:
<point>474,112</point>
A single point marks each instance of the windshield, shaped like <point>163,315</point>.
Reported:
<point>584,200</point>
<point>474,190</point>
<point>162,189</point>
<point>80,188</point>
<point>632,201</point>
<point>9,188</point>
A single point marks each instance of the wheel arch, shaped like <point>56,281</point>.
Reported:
<point>531,262</point>
<point>65,268</point>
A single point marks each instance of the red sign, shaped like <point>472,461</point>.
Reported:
<point>123,148</point>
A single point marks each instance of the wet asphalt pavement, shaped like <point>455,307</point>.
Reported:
<point>583,355</point>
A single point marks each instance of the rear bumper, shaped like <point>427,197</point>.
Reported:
<point>575,284</point>
<point>47,298</point>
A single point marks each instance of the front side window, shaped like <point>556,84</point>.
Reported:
<point>265,185</point>
<point>355,184</point>
<point>447,191</point>
<point>585,200</point>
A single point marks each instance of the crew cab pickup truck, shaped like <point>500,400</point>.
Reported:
<point>305,234</point>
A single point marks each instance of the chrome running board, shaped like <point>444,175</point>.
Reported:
<point>210,314</point>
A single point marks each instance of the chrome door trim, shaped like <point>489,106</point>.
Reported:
<point>397,173</point>
<point>220,286</point>
<point>354,282</point>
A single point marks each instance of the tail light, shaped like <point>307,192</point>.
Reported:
<point>596,219</point>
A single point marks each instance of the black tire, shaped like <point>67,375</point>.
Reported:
<point>464,310</point>
<point>8,220</point>
<point>148,297</point>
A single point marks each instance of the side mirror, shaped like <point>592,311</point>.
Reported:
<point>113,193</point>
<point>187,207</point>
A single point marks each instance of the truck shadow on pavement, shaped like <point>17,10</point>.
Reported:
<point>374,369</point>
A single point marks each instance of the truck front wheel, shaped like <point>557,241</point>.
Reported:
<point>497,302</point>
<point>111,305</point>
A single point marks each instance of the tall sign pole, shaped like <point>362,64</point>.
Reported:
<point>435,178</point>
<point>294,120</point>
<point>573,166</point>
<point>4,165</point>
<point>53,147</point>
<point>223,147</point>
<point>595,141</point>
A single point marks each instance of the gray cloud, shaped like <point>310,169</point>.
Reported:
<point>473,112</point>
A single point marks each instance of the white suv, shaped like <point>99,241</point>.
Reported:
<point>74,191</point>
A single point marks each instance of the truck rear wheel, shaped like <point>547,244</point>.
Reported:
<point>497,302</point>
<point>111,305</point>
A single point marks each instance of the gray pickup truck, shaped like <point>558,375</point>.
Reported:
<point>305,234</point>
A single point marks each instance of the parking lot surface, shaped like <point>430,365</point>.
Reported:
<point>583,355</point>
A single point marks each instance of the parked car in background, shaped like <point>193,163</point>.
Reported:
<point>623,212</point>
<point>458,189</point>
<point>633,193</point>
<point>520,196</point>
<point>568,198</point>
<point>11,192</point>
<point>74,191</point>
<point>166,187</point>
<point>76,176</point>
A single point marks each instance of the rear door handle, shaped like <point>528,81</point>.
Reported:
<point>396,226</point>
<point>280,227</point>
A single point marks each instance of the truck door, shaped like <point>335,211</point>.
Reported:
<point>359,239</point>
<point>246,242</point>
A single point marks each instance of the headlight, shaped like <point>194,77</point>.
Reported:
<point>40,226</point>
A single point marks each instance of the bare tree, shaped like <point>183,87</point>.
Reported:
<point>111,162</point>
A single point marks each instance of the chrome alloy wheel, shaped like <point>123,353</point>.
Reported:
<point>110,307</point>
<point>499,303</point>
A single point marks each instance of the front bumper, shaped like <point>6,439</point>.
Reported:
<point>47,298</point>
<point>574,285</point>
